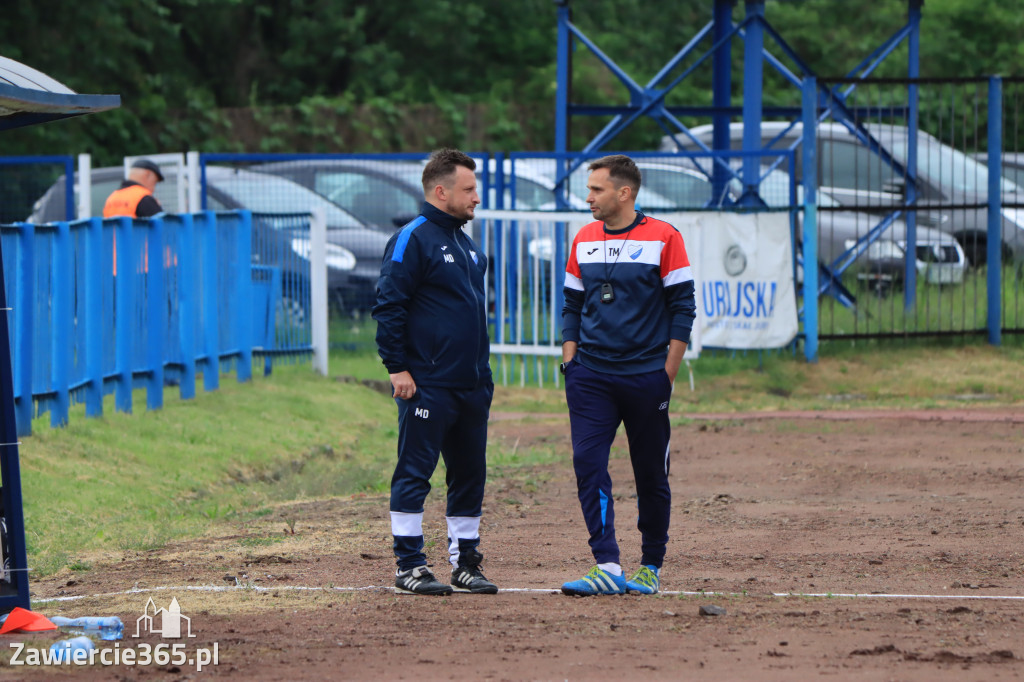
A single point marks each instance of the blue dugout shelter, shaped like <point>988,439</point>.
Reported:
<point>27,97</point>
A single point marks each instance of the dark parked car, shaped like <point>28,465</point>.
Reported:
<point>353,249</point>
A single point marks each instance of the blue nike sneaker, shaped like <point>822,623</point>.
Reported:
<point>644,581</point>
<point>596,581</point>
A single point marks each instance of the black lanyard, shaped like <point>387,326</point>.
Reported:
<point>607,292</point>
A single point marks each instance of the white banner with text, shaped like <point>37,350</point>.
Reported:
<point>743,268</point>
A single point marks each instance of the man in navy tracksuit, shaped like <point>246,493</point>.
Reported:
<point>432,337</point>
<point>629,308</point>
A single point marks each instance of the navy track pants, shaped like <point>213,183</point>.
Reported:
<point>598,403</point>
<point>452,423</point>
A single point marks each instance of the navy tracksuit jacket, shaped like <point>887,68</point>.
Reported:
<point>432,322</point>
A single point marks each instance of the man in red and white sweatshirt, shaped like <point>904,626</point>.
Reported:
<point>629,309</point>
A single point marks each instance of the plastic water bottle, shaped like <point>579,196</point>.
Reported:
<point>64,651</point>
<point>106,627</point>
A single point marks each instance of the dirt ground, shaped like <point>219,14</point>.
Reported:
<point>849,546</point>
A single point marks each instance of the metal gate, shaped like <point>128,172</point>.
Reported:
<point>947,211</point>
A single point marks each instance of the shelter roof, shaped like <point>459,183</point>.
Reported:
<point>29,97</point>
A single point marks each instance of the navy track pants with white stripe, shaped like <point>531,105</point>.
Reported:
<point>598,403</point>
<point>452,423</point>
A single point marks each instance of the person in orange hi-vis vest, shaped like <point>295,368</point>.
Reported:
<point>134,198</point>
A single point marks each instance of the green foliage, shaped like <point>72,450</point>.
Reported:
<point>342,75</point>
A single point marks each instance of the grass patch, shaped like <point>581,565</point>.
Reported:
<point>893,373</point>
<point>135,482</point>
<point>258,541</point>
<point>866,375</point>
<point>946,308</point>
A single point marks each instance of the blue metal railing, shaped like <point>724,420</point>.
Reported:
<point>103,306</point>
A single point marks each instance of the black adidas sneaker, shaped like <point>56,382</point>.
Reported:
<point>420,580</point>
<point>471,579</point>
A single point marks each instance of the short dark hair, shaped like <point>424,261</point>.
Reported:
<point>622,170</point>
<point>440,168</point>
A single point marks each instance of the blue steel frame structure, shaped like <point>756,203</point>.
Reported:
<point>818,103</point>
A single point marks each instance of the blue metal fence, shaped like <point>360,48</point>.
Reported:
<point>525,264</point>
<point>105,306</point>
<point>281,278</point>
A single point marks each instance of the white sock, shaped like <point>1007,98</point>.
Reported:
<point>461,527</point>
<point>614,569</point>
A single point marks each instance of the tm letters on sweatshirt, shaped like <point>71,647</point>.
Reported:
<point>627,293</point>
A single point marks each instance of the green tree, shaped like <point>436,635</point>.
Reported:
<point>345,74</point>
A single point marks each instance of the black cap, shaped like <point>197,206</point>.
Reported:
<point>150,166</point>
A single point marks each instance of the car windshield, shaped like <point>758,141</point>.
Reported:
<point>264,194</point>
<point>948,167</point>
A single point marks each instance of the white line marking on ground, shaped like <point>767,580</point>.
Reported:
<point>533,590</point>
<point>897,596</point>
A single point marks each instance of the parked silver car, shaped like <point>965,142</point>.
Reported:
<point>1012,166</point>
<point>383,194</point>
<point>952,188</point>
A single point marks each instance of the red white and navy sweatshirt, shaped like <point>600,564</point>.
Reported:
<point>653,291</point>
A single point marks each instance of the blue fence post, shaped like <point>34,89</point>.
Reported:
<point>243,298</point>
<point>93,309</point>
<point>211,333</point>
<point>563,69</point>
<point>721,76</point>
<point>25,312</point>
<point>913,72</point>
<point>810,252</point>
<point>753,80</point>
<point>994,243</point>
<point>60,341</point>
<point>156,313</point>
<point>125,266</point>
<point>561,258</point>
<point>188,306</point>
